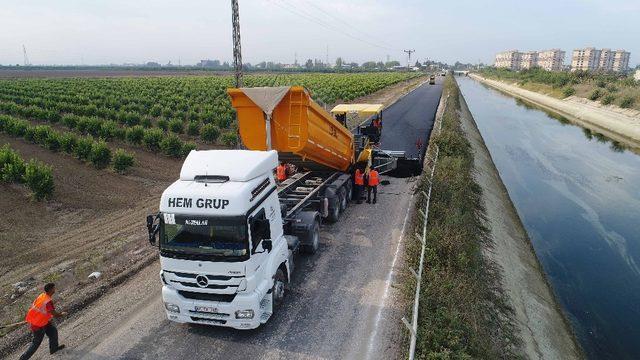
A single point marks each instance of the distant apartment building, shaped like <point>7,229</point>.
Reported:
<point>587,59</point>
<point>528,60</point>
<point>636,76</point>
<point>509,59</point>
<point>592,59</point>
<point>551,60</point>
<point>621,61</point>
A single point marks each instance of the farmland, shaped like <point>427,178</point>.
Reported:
<point>169,115</point>
<point>112,145</point>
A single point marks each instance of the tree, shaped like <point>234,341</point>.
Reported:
<point>418,65</point>
<point>369,65</point>
<point>309,64</point>
<point>390,64</point>
<point>380,65</point>
<point>339,62</point>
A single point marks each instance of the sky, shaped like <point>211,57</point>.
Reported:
<point>93,32</point>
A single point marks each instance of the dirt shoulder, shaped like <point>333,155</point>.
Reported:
<point>543,329</point>
<point>619,124</point>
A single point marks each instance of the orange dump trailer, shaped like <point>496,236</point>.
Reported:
<point>287,120</point>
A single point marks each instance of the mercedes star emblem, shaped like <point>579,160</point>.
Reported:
<point>202,281</point>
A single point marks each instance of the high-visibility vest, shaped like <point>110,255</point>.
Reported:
<point>37,314</point>
<point>373,178</point>
<point>281,172</point>
<point>359,177</point>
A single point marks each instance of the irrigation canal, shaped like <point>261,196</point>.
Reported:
<point>578,195</point>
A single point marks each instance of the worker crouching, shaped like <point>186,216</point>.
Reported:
<point>39,318</point>
<point>372,185</point>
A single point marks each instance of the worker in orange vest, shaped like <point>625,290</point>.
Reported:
<point>281,172</point>
<point>39,318</point>
<point>358,179</point>
<point>372,184</point>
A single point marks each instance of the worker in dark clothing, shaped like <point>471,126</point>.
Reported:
<point>39,318</point>
<point>359,182</point>
<point>372,185</point>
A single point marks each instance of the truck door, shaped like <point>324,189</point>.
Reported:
<point>259,230</point>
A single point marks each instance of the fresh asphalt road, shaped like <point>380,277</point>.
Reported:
<point>408,122</point>
<point>343,303</point>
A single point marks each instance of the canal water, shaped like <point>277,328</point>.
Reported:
<point>578,195</point>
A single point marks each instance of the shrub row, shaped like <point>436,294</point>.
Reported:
<point>85,148</point>
<point>36,175</point>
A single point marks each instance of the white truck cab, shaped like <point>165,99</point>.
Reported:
<point>223,253</point>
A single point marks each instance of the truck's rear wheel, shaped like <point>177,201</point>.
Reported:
<point>279,282</point>
<point>343,199</point>
<point>334,212</point>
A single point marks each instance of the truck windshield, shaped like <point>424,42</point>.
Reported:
<point>223,236</point>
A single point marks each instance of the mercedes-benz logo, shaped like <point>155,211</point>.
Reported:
<point>202,281</point>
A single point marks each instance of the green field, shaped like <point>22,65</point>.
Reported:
<point>168,115</point>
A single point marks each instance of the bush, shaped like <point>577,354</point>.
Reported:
<point>146,122</point>
<point>156,110</point>
<point>209,133</point>
<point>53,141</point>
<point>595,94</point>
<point>176,126</point>
<point>627,102</point>
<point>187,147</point>
<point>163,124</point>
<point>230,139</point>
<point>68,142</point>
<point>108,129</point>
<point>612,88</point>
<point>568,91</point>
<point>11,165</point>
<point>152,139</point>
<point>171,145</point>
<point>193,128</point>
<point>601,83</point>
<point>39,179</point>
<point>122,160</point>
<point>100,154</point>
<point>83,148</point>
<point>608,99</point>
<point>135,134</point>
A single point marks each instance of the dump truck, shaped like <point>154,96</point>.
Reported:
<point>228,233</point>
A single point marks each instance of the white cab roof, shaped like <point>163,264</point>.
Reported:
<point>238,165</point>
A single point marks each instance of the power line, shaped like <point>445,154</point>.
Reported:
<point>348,24</point>
<point>296,11</point>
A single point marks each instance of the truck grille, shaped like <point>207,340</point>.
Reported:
<point>209,321</point>
<point>207,297</point>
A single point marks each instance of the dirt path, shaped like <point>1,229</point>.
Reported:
<point>545,333</point>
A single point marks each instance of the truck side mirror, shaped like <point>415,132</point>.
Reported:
<point>152,229</point>
<point>267,245</point>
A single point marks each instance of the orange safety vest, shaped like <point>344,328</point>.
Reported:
<point>281,172</point>
<point>37,314</point>
<point>373,178</point>
<point>359,177</point>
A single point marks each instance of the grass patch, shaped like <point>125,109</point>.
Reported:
<point>463,312</point>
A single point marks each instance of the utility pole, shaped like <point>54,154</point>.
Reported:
<point>237,51</point>
<point>409,52</point>
<point>26,58</point>
<point>327,57</point>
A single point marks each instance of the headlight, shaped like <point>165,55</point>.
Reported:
<point>244,314</point>
<point>172,307</point>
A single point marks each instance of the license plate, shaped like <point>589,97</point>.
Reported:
<point>206,309</point>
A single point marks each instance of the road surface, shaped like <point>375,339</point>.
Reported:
<point>343,302</point>
<point>410,120</point>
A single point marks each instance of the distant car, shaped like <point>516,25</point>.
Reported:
<point>444,73</point>
<point>432,80</point>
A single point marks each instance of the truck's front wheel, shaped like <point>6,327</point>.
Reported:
<point>279,282</point>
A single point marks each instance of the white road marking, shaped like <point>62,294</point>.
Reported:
<point>387,286</point>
